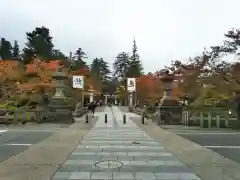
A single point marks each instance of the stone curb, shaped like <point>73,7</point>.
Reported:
<point>204,162</point>
<point>42,160</point>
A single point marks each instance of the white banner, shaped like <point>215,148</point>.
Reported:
<point>78,82</point>
<point>131,84</point>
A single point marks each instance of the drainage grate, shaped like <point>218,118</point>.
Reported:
<point>109,164</point>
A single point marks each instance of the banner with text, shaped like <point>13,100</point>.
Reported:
<point>78,82</point>
<point>131,84</point>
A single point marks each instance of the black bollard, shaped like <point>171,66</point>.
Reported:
<point>142,118</point>
<point>105,118</point>
<point>124,119</point>
<point>86,118</point>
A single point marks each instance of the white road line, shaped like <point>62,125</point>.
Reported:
<point>223,147</point>
<point>210,133</point>
<point>1,131</point>
<point>17,144</point>
<point>34,130</point>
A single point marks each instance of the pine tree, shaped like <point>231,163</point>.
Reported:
<point>5,49</point>
<point>79,57</point>
<point>120,65</point>
<point>135,66</point>
<point>39,43</point>
<point>16,51</point>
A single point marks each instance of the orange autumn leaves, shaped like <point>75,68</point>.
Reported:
<point>10,70</point>
<point>150,88</point>
<point>39,74</point>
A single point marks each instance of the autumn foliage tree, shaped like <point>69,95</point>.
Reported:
<point>10,73</point>
<point>149,89</point>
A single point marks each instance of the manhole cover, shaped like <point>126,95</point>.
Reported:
<point>135,142</point>
<point>109,164</point>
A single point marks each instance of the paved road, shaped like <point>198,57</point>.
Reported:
<point>14,140</point>
<point>114,150</point>
<point>224,142</point>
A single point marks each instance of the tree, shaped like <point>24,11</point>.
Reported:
<point>227,71</point>
<point>189,75</point>
<point>149,89</point>
<point>100,72</point>
<point>36,83</point>
<point>110,86</point>
<point>99,68</point>
<point>16,51</point>
<point>58,55</point>
<point>10,73</point>
<point>5,49</point>
<point>135,67</point>
<point>232,43</point>
<point>79,57</point>
<point>210,96</point>
<point>121,65</point>
<point>39,43</point>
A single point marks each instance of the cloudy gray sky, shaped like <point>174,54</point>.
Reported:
<point>164,29</point>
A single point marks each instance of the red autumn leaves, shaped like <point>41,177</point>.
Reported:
<point>149,88</point>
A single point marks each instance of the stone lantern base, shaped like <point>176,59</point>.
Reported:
<point>169,101</point>
<point>169,111</point>
<point>61,111</point>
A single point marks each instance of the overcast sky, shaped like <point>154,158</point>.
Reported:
<point>164,29</point>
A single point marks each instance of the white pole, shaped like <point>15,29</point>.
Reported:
<point>91,97</point>
<point>82,98</point>
<point>131,99</point>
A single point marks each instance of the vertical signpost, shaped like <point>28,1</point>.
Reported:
<point>91,97</point>
<point>131,87</point>
<point>78,83</point>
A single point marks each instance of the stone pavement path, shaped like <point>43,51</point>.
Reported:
<point>121,151</point>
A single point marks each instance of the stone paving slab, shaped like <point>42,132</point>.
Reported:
<point>119,151</point>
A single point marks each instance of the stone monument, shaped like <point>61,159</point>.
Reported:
<point>169,109</point>
<point>60,105</point>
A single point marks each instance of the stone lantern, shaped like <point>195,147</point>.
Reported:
<point>60,105</point>
<point>169,109</point>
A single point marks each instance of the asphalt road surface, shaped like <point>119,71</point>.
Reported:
<point>224,142</point>
<point>14,140</point>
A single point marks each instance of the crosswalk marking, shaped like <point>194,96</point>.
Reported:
<point>2,131</point>
<point>209,133</point>
<point>17,144</point>
<point>223,147</point>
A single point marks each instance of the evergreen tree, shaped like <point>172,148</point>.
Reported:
<point>58,55</point>
<point>121,65</point>
<point>39,43</point>
<point>135,67</point>
<point>79,57</point>
<point>99,68</point>
<point>16,51</point>
<point>5,49</point>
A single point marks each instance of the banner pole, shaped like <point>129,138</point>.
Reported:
<point>82,98</point>
<point>83,77</point>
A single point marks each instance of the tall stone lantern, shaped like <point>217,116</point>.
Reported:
<point>60,105</point>
<point>170,110</point>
